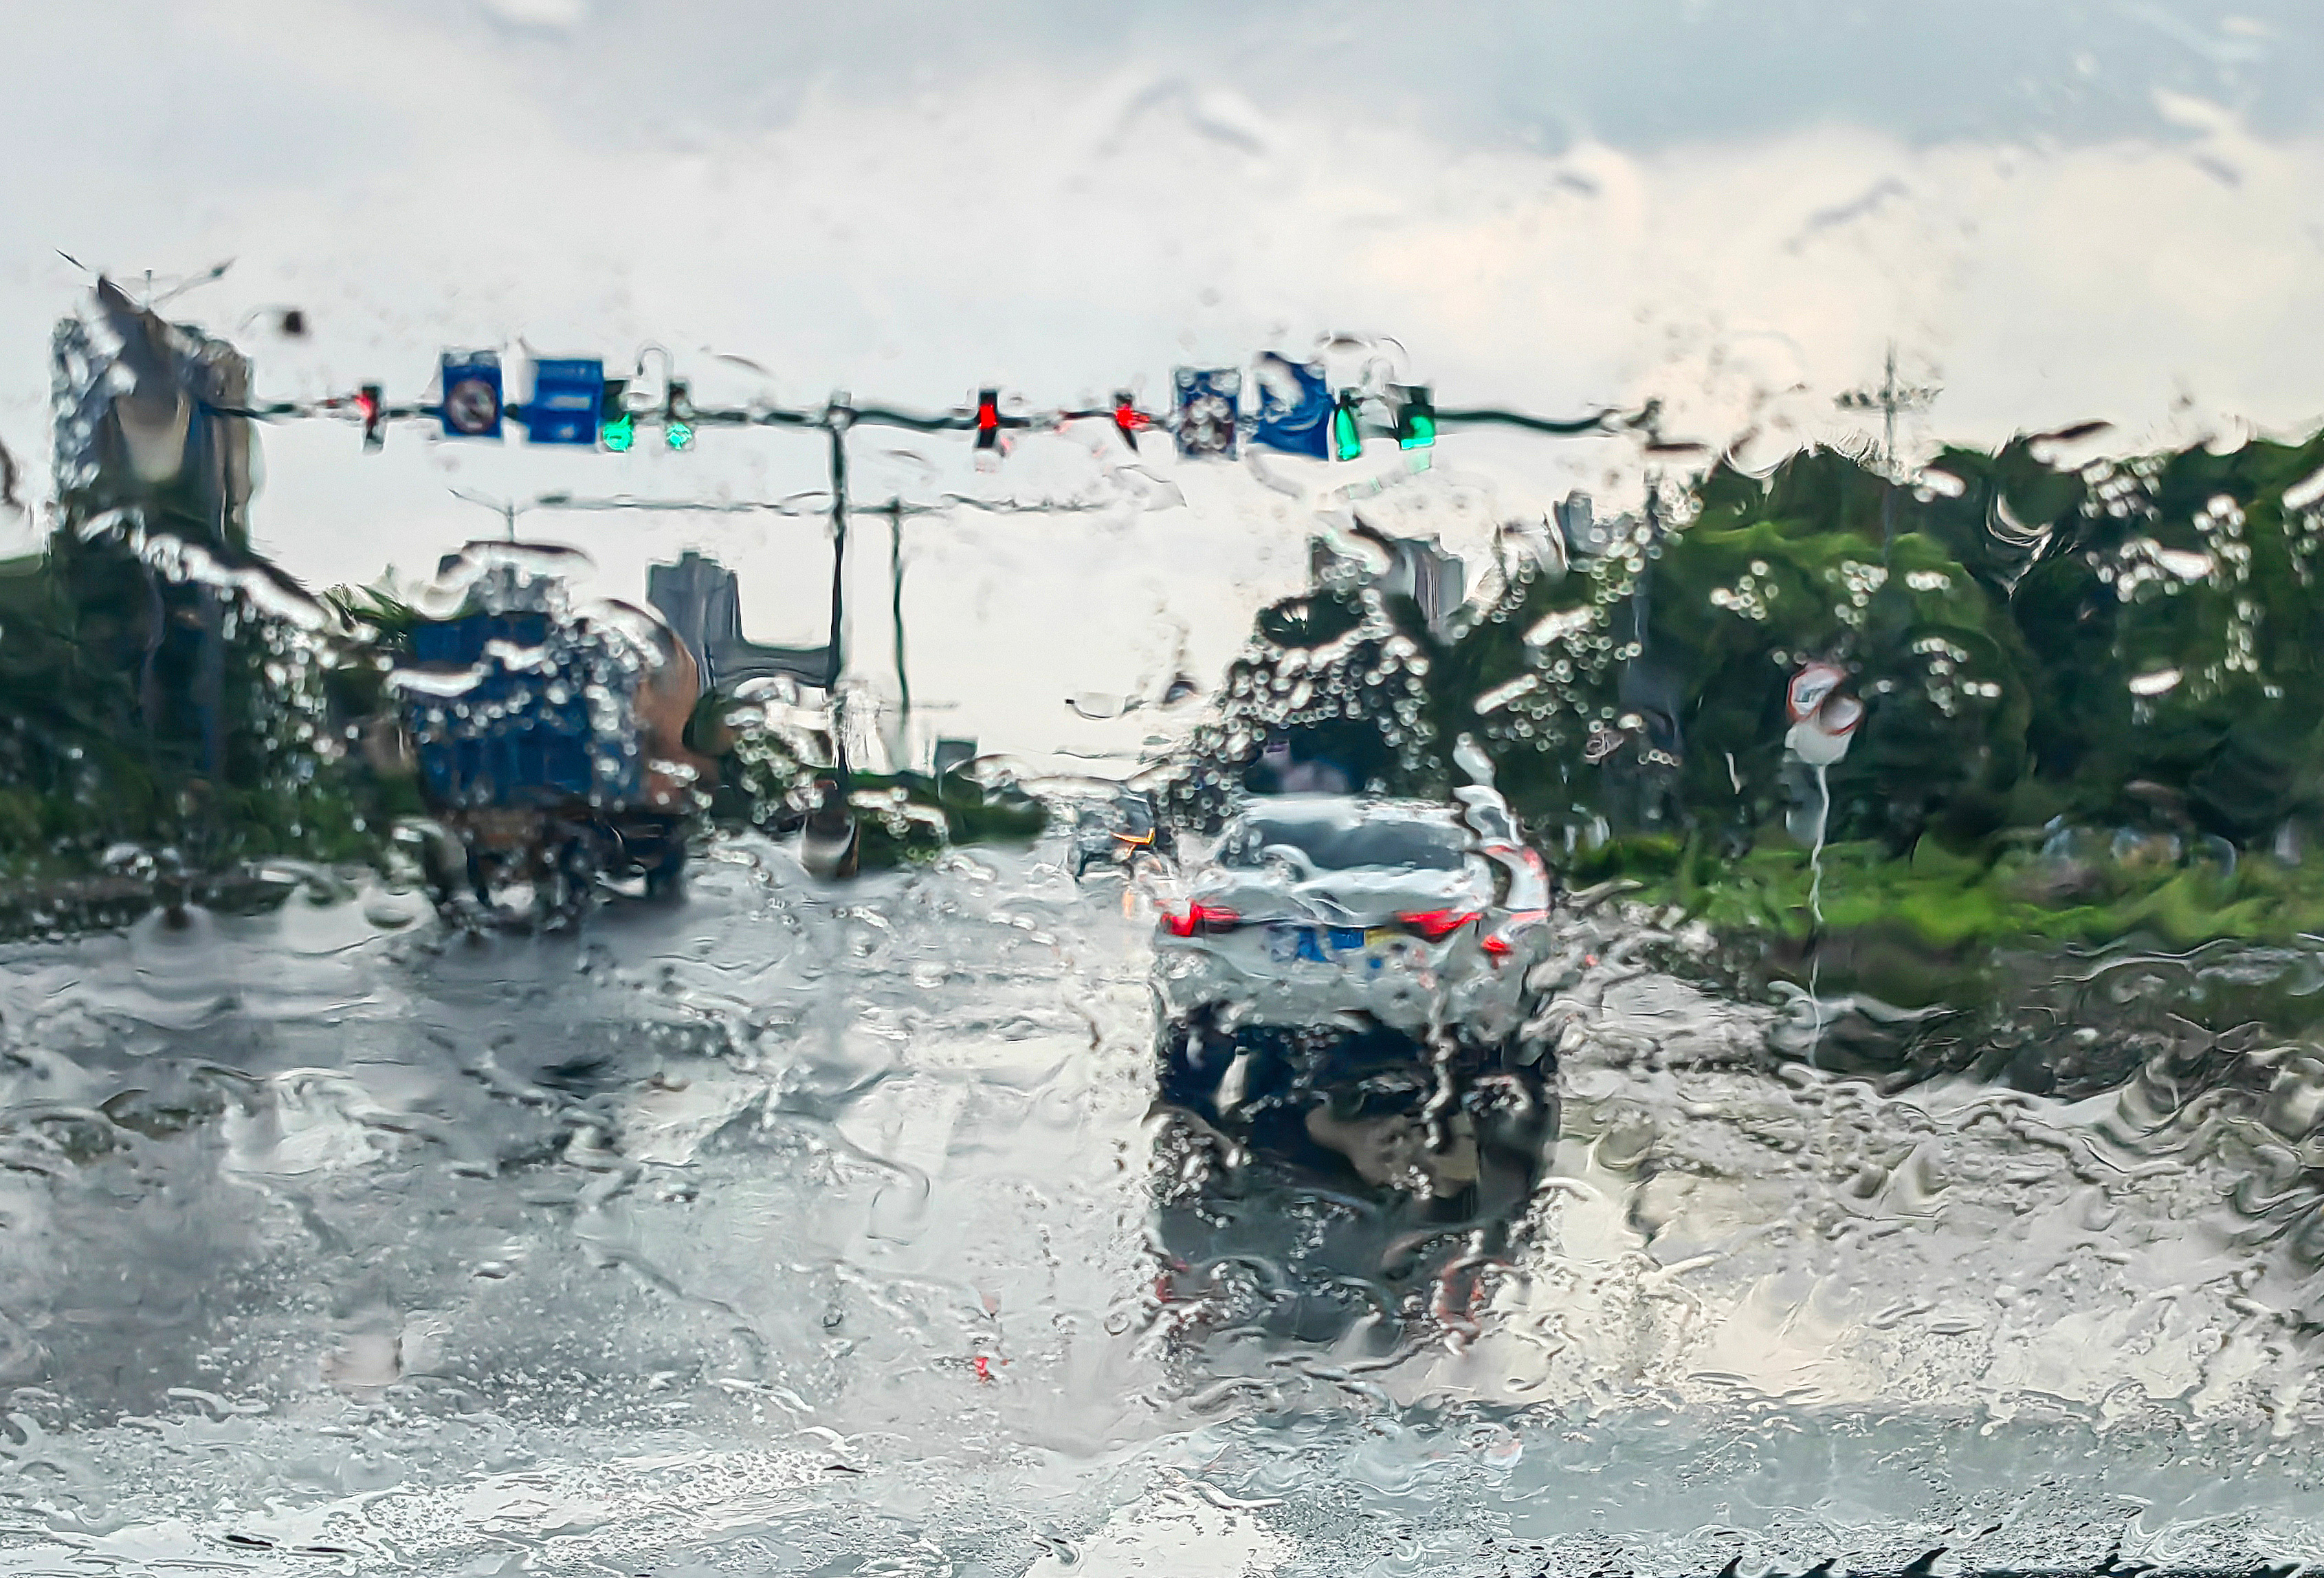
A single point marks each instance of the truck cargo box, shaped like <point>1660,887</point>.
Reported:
<point>502,714</point>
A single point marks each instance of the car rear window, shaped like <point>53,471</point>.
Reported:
<point>1409,842</point>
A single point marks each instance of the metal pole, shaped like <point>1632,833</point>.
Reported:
<point>896,610</point>
<point>836,424</point>
<point>1888,394</point>
<point>1888,402</point>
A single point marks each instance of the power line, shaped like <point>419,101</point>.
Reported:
<point>817,505</point>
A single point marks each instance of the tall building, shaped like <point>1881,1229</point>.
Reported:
<point>150,419</point>
<point>703,603</point>
<point>153,475</point>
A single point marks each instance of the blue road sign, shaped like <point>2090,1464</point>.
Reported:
<point>568,395</point>
<point>1295,407</point>
<point>1209,400</point>
<point>472,395</point>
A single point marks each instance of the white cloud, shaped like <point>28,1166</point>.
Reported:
<point>554,14</point>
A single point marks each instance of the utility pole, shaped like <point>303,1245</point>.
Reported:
<point>834,421</point>
<point>505,509</point>
<point>1889,399</point>
<point>896,611</point>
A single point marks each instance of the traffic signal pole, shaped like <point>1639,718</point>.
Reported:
<point>1414,422</point>
<point>836,428</point>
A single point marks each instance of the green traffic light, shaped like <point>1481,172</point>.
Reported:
<point>677,434</point>
<point>620,433</point>
<point>1347,435</point>
<point>1416,416</point>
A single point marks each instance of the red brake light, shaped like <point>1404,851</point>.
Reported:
<point>1197,917</point>
<point>1436,924</point>
<point>1498,946</point>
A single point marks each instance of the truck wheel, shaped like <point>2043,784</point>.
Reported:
<point>490,874</point>
<point>655,848</point>
<point>483,870</point>
<point>443,867</point>
<point>665,864</point>
<point>568,882</point>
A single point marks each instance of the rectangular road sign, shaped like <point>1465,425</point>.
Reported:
<point>568,395</point>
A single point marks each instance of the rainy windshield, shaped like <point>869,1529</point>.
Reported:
<point>751,755</point>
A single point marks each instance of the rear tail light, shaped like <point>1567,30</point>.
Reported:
<point>1436,924</point>
<point>1501,943</point>
<point>1199,918</point>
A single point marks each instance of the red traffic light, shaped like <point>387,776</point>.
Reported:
<point>1129,420</point>
<point>369,408</point>
<point>988,419</point>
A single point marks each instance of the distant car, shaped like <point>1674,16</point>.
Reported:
<point>1119,835</point>
<point>1356,1121</point>
<point>1425,916</point>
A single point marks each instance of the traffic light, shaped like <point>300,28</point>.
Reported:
<point>988,420</point>
<point>1416,416</point>
<point>1129,420</point>
<point>369,407</point>
<point>617,426</point>
<point>1347,427</point>
<point>677,432</point>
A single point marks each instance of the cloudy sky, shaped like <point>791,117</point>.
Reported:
<point>2056,212</point>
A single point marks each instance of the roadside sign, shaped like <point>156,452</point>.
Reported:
<point>472,395</point>
<point>1295,407</point>
<point>568,394</point>
<point>1209,401</point>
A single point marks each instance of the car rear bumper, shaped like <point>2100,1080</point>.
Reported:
<point>1403,981</point>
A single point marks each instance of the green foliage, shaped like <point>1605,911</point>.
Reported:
<point>766,777</point>
<point>1346,669</point>
<point>139,706</point>
<point>908,817</point>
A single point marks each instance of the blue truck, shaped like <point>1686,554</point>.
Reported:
<point>548,741</point>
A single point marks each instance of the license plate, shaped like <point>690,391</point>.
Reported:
<point>1316,944</point>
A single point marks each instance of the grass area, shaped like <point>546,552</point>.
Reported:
<point>2007,893</point>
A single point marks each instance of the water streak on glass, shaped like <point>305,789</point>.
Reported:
<point>1305,794</point>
